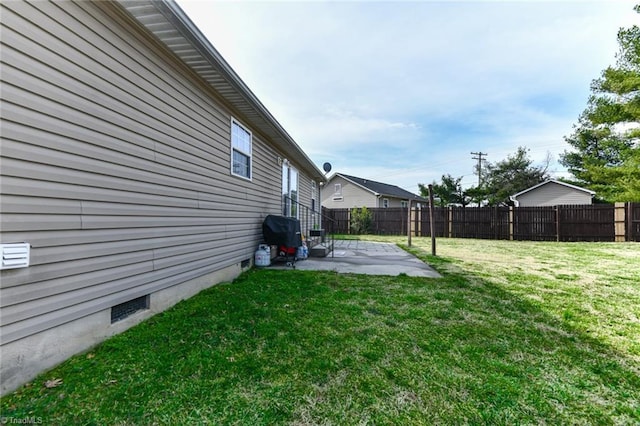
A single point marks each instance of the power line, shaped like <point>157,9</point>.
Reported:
<point>478,156</point>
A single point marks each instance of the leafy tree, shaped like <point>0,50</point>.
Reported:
<point>606,152</point>
<point>448,192</point>
<point>503,178</point>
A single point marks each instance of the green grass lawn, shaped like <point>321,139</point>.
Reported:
<point>514,333</point>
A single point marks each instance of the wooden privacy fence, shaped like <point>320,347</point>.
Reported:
<point>385,221</point>
<point>596,222</point>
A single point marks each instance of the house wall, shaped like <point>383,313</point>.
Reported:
<point>553,194</point>
<point>116,169</point>
<point>352,195</point>
<point>306,192</point>
<point>393,202</point>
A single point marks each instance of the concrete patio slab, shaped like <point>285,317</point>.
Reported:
<point>366,257</point>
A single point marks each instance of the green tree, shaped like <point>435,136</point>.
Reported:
<point>361,220</point>
<point>449,191</point>
<point>503,178</point>
<point>606,152</point>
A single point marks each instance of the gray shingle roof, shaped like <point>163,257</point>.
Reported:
<point>383,188</point>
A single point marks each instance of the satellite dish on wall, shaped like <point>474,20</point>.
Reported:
<point>326,167</point>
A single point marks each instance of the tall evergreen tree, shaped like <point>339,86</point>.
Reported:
<point>605,141</point>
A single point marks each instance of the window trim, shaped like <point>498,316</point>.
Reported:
<point>337,192</point>
<point>289,207</point>
<point>248,154</point>
<point>385,203</point>
<point>314,195</point>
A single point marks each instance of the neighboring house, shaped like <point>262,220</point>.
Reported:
<point>136,166</point>
<point>552,193</point>
<point>344,191</point>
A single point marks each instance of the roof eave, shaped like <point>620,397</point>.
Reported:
<point>514,196</point>
<point>382,194</point>
<point>377,194</point>
<point>174,29</point>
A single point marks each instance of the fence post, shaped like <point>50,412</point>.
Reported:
<point>620,222</point>
<point>511,223</point>
<point>409,224</point>
<point>431,220</point>
<point>450,221</point>
<point>558,223</point>
<point>629,220</point>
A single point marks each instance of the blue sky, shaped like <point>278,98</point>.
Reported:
<point>403,92</point>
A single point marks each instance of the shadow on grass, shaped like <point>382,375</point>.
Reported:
<point>301,347</point>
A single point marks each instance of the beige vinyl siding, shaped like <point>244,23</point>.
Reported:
<point>116,167</point>
<point>553,194</point>
<point>393,202</point>
<point>304,187</point>
<point>353,195</point>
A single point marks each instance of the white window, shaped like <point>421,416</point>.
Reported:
<point>337,192</point>
<point>289,190</point>
<point>241,149</point>
<point>314,195</point>
<point>385,202</point>
<point>404,204</point>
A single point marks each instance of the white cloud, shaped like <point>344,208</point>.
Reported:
<point>404,91</point>
<point>336,128</point>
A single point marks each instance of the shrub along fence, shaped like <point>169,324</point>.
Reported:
<point>384,221</point>
<point>593,222</point>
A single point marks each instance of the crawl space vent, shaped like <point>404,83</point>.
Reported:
<point>126,309</point>
<point>15,255</point>
<point>245,263</point>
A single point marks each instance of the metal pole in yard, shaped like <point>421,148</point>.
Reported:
<point>409,224</point>
<point>557,223</point>
<point>431,222</point>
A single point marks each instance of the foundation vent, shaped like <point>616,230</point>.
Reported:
<point>15,255</point>
<point>126,309</point>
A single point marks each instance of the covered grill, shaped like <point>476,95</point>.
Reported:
<point>285,233</point>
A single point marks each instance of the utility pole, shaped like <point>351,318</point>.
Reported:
<point>478,156</point>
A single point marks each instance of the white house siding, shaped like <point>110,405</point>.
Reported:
<point>553,194</point>
<point>116,169</point>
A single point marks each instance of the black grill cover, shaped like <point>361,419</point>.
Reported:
<point>282,231</point>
